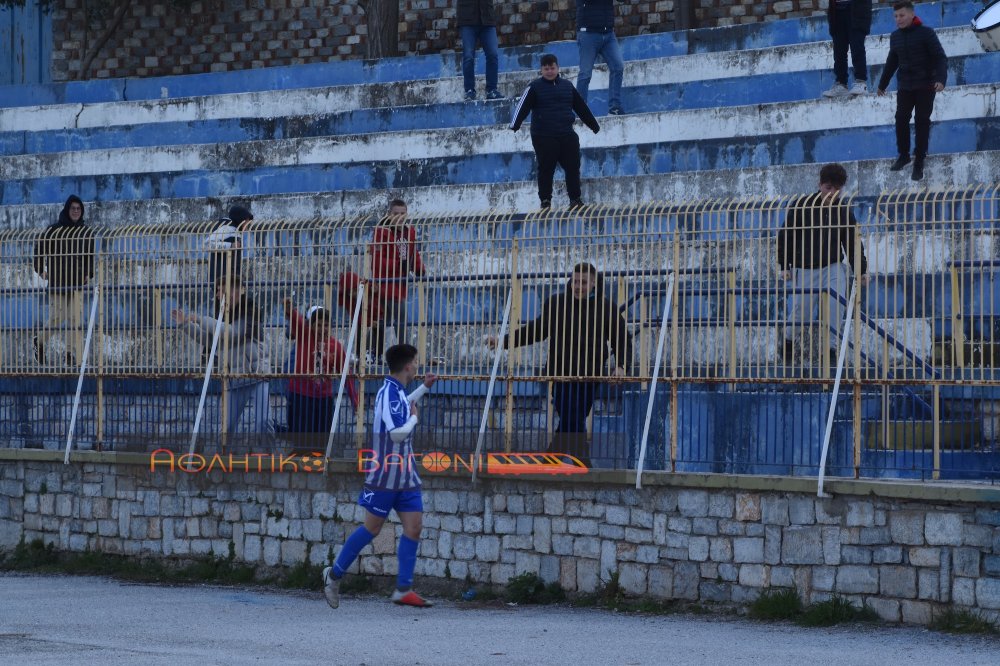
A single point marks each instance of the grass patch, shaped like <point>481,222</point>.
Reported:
<point>776,604</point>
<point>529,588</point>
<point>955,621</point>
<point>836,610</point>
<point>304,576</point>
<point>610,596</point>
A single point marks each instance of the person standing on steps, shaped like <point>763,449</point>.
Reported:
<point>477,22</point>
<point>554,103</point>
<point>916,53</point>
<point>850,22</point>
<point>595,35</point>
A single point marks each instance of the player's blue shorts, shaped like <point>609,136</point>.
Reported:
<point>381,502</point>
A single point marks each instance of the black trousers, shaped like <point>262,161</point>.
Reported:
<point>562,150</point>
<point>573,402</point>
<point>843,39</point>
<point>919,103</point>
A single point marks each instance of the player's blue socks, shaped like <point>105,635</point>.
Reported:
<point>407,555</point>
<point>358,540</point>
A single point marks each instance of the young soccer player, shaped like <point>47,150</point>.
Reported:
<point>392,483</point>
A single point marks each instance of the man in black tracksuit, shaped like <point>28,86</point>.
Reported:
<point>819,231</point>
<point>915,51</point>
<point>64,256</point>
<point>583,329</point>
<point>552,100</point>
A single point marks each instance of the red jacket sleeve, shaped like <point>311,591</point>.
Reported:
<point>382,251</point>
<point>298,325</point>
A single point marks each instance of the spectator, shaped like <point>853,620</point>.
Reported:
<point>226,244</point>
<point>64,256</point>
<point>552,100</point>
<point>394,255</point>
<point>819,230</point>
<point>915,51</point>
<point>318,356</point>
<point>583,329</point>
<point>243,337</point>
<point>595,35</point>
<point>850,22</point>
<point>477,21</point>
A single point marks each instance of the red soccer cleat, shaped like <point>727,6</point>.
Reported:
<point>410,598</point>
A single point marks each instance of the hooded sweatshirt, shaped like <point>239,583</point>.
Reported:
<point>65,250</point>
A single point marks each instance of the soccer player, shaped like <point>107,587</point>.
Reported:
<point>392,481</point>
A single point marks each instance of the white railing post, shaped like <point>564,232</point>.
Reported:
<point>477,458</point>
<point>83,370</point>
<point>343,371</point>
<point>841,356</point>
<point>208,375</point>
<point>656,376</point>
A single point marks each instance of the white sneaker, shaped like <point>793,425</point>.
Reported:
<point>331,588</point>
<point>859,88</point>
<point>837,90</point>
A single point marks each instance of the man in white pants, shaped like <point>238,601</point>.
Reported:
<point>819,232</point>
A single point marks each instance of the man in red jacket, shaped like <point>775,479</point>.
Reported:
<point>394,256</point>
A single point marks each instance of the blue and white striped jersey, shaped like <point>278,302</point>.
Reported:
<point>397,467</point>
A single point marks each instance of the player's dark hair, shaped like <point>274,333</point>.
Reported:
<point>833,174</point>
<point>397,202</point>
<point>549,59</point>
<point>398,356</point>
<point>903,4</point>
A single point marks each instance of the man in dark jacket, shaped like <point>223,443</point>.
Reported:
<point>850,22</point>
<point>552,101</point>
<point>584,329</point>
<point>64,256</point>
<point>819,230</point>
<point>595,35</point>
<point>226,244</point>
<point>915,51</point>
<point>477,21</point>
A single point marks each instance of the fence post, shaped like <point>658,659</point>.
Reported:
<point>957,331</point>
<point>936,396</point>
<point>514,355</point>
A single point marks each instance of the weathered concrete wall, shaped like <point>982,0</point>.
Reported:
<point>904,549</point>
<point>158,38</point>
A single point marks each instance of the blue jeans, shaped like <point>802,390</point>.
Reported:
<point>257,394</point>
<point>591,44</point>
<point>487,36</point>
<point>843,39</point>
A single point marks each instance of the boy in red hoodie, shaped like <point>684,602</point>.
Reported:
<point>318,356</point>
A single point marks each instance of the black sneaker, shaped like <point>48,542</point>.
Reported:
<point>576,203</point>
<point>494,95</point>
<point>918,170</point>
<point>38,351</point>
<point>470,95</point>
<point>616,111</point>
<point>546,203</point>
<point>900,162</point>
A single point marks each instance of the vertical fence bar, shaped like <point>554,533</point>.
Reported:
<point>478,457</point>
<point>514,355</point>
<point>344,372</point>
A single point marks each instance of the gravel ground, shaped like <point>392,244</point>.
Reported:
<point>82,620</point>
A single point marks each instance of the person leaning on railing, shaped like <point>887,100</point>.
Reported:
<point>583,329</point>
<point>242,334</point>
<point>64,256</point>
<point>819,230</point>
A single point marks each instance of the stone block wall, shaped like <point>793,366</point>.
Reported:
<point>158,38</point>
<point>904,557</point>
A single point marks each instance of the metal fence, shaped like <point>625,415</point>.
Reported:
<point>748,297</point>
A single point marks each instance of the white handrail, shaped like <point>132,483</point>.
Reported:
<point>836,388</point>
<point>208,376</point>
<point>83,370</point>
<point>656,375</point>
<point>477,458</point>
<point>343,371</point>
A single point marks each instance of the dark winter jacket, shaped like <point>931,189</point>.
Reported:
<point>552,105</point>
<point>595,15</point>
<point>475,12</point>
<point>919,57</point>
<point>861,16</point>
<point>582,335</point>
<point>65,251</point>
<point>818,233</point>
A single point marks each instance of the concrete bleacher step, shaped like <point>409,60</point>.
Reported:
<point>788,73</point>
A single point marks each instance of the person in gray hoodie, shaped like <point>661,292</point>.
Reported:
<point>246,357</point>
